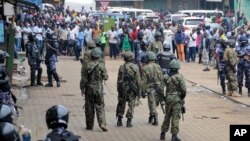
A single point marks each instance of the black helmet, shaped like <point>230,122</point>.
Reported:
<point>166,46</point>
<point>5,113</point>
<point>3,55</point>
<point>140,35</point>
<point>8,132</point>
<point>57,116</point>
<point>31,37</point>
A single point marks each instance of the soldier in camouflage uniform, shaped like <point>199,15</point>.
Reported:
<point>91,84</point>
<point>231,60</point>
<point>175,94</point>
<point>156,46</point>
<point>152,85</point>
<point>128,86</point>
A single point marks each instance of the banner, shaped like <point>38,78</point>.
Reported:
<point>1,31</point>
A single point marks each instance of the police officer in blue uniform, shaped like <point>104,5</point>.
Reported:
<point>34,60</point>
<point>8,132</point>
<point>247,68</point>
<point>57,118</point>
<point>221,65</point>
<point>240,67</point>
<point>52,47</point>
<point>164,58</point>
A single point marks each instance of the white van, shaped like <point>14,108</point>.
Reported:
<point>197,13</point>
<point>77,5</point>
<point>132,12</point>
<point>174,18</point>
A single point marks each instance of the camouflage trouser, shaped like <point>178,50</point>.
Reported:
<point>153,102</point>
<point>94,101</point>
<point>232,84</point>
<point>120,110</point>
<point>173,114</point>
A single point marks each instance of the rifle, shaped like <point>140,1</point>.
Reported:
<point>161,97</point>
<point>132,84</point>
<point>183,109</point>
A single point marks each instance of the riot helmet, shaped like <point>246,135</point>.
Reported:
<point>96,53</point>
<point>8,132</point>
<point>140,35</point>
<point>150,56</point>
<point>166,47</point>
<point>128,56</point>
<point>5,113</point>
<point>57,116</point>
<point>3,55</point>
<point>174,65</point>
<point>243,40</point>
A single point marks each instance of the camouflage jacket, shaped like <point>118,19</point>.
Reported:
<point>175,86</point>
<point>93,74</point>
<point>129,78</point>
<point>151,76</point>
<point>155,47</point>
<point>230,56</point>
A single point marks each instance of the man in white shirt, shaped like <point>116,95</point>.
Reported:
<point>38,31</point>
<point>168,37</point>
<point>112,36</point>
<point>63,36</point>
<point>192,46</point>
<point>26,31</point>
<point>18,37</point>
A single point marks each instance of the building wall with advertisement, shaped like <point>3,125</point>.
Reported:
<point>123,3</point>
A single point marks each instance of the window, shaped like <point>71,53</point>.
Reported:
<point>193,21</point>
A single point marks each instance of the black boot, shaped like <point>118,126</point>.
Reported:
<point>129,122</point>
<point>162,136</point>
<point>56,77</point>
<point>150,119</point>
<point>200,56</point>
<point>175,138</point>
<point>248,92</point>
<point>50,84</point>
<point>223,90</point>
<point>240,90</point>
<point>155,123</point>
<point>32,77</point>
<point>119,122</point>
<point>39,76</point>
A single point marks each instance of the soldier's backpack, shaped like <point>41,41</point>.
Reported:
<point>64,136</point>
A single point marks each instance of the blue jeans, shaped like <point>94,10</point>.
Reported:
<point>39,43</point>
<point>18,44</point>
<point>192,54</point>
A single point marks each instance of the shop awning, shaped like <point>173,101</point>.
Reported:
<point>23,3</point>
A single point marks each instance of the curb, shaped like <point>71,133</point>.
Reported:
<point>233,100</point>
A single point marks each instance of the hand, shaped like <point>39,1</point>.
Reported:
<point>143,95</point>
<point>82,92</point>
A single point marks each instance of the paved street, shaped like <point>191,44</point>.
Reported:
<point>207,119</point>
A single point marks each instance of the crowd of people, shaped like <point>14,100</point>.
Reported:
<point>151,52</point>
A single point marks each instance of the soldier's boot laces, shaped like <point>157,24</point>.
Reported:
<point>104,128</point>
<point>155,123</point>
<point>162,136</point>
<point>129,122</point>
<point>175,138</point>
<point>240,90</point>
<point>150,119</point>
<point>119,122</point>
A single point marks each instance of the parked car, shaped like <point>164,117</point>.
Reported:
<point>174,18</point>
<point>198,13</point>
<point>149,17</point>
<point>213,26</point>
<point>188,23</point>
